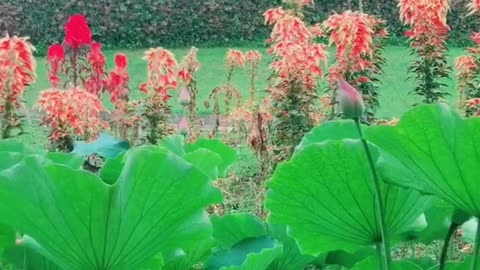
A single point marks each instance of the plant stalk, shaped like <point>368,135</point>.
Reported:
<point>384,245</point>
<point>476,248</point>
<point>446,243</point>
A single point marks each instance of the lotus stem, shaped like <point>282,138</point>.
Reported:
<point>384,245</point>
<point>443,256</point>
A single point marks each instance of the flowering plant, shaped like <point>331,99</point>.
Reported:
<point>17,72</point>
<point>428,34</point>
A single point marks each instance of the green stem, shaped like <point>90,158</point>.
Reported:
<point>476,250</point>
<point>379,203</point>
<point>446,243</point>
<point>414,249</point>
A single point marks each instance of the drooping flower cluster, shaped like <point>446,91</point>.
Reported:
<point>70,114</point>
<point>428,34</point>
<point>233,60</point>
<point>17,72</point>
<point>95,81</point>
<point>468,78</point>
<point>162,78</point>
<point>56,60</point>
<point>358,40</point>
<point>295,70</point>
<point>190,123</point>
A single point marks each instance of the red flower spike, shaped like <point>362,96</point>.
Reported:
<point>350,102</point>
<point>77,32</point>
<point>121,61</point>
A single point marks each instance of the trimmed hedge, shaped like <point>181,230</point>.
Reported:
<point>132,23</point>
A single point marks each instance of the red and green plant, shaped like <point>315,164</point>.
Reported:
<point>17,72</point>
<point>189,66</point>
<point>428,35</point>
<point>155,110</point>
<point>358,38</point>
<point>234,60</point>
<point>295,71</point>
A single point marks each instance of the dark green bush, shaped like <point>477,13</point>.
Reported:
<point>133,24</point>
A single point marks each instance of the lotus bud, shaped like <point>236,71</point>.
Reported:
<point>350,102</point>
<point>183,126</point>
<point>184,97</point>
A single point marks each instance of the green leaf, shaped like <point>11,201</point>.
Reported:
<point>206,161</point>
<point>81,223</point>
<point>12,152</point>
<point>105,146</point>
<point>435,151</point>
<point>71,160</point>
<point>228,155</point>
<point>291,257</point>
<point>348,260</point>
<point>174,143</point>
<point>325,195</point>
<point>251,253</point>
<point>233,228</point>
<point>27,259</point>
<point>333,130</point>
<point>424,263</point>
<point>186,259</point>
<point>111,170</point>
<point>465,265</point>
<point>372,263</point>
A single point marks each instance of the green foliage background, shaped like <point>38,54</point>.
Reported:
<point>134,24</point>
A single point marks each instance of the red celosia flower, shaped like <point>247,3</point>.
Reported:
<point>72,113</point>
<point>465,64</point>
<point>121,61</point>
<point>97,62</point>
<point>17,69</point>
<point>189,66</point>
<point>253,57</point>
<point>235,58</point>
<point>161,72</point>
<point>77,32</point>
<point>474,6</point>
<point>56,59</point>
<point>475,37</point>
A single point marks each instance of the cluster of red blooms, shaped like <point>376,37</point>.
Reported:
<point>162,70</point>
<point>428,19</point>
<point>234,59</point>
<point>189,66</point>
<point>17,71</point>
<point>353,34</point>
<point>76,111</point>
<point>297,55</point>
<point>72,112</point>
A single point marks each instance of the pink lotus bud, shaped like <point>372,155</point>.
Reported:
<point>350,102</point>
<point>184,97</point>
<point>182,127</point>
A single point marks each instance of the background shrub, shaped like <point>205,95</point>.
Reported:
<point>134,24</point>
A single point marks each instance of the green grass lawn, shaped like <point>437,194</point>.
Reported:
<point>395,98</point>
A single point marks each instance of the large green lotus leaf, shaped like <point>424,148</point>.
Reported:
<point>348,260</point>
<point>71,160</point>
<point>435,151</point>
<point>206,161</point>
<point>12,152</point>
<point>424,263</point>
<point>186,259</point>
<point>333,130</point>
<point>372,263</point>
<point>105,146</point>
<point>251,253</point>
<point>233,228</point>
<point>438,218</point>
<point>27,259</point>
<point>325,195</point>
<point>228,155</point>
<point>465,265</point>
<point>174,143</point>
<point>291,258</point>
<point>81,223</point>
<point>111,170</point>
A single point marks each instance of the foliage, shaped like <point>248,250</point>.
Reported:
<point>295,71</point>
<point>17,72</point>
<point>428,34</point>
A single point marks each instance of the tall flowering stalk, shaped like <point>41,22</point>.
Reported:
<point>124,115</point>
<point>295,71</point>
<point>17,72</point>
<point>428,35</point>
<point>189,66</point>
<point>234,60</point>
<point>162,78</point>
<point>71,114</point>
<point>359,58</point>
